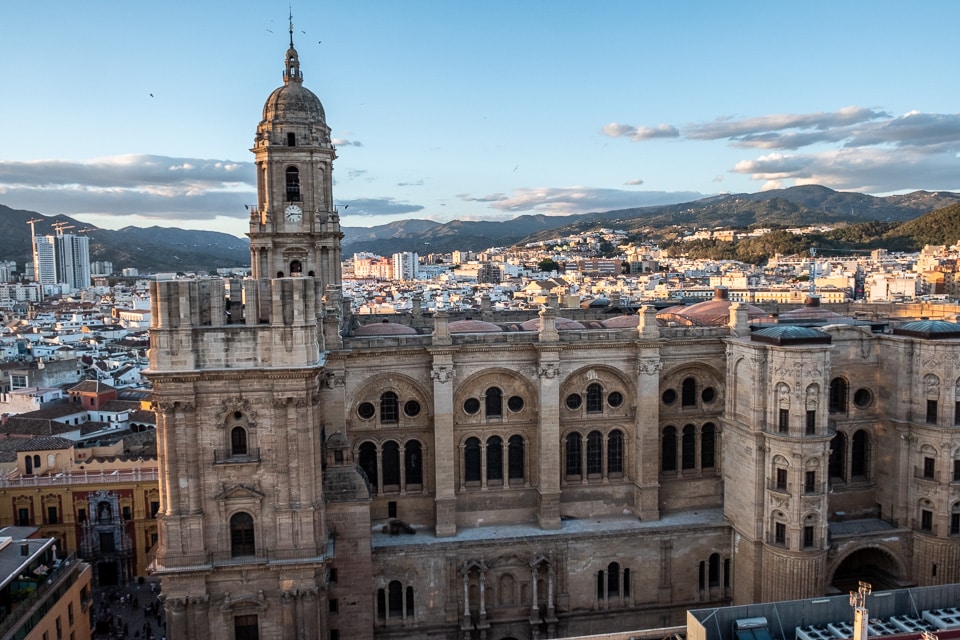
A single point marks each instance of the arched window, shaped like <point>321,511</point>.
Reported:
<point>708,446</point>
<point>238,441</point>
<point>838,457</point>
<point>389,408</point>
<point>838,395</point>
<point>515,461</point>
<point>859,452</point>
<point>714,570</point>
<point>594,453</point>
<point>594,398</point>
<point>293,184</point>
<point>368,462</point>
<point>494,402</point>
<point>688,392</point>
<point>688,447</point>
<point>409,613</point>
<point>413,462</point>
<point>613,579</point>
<point>615,452</point>
<point>391,464</point>
<point>574,463</point>
<point>668,450</point>
<point>471,460</point>
<point>242,541</point>
<point>495,459</point>
<point>296,268</point>
<point>395,599</point>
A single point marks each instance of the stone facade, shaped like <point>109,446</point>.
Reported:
<point>531,478</point>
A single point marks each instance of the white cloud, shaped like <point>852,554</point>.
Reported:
<point>564,201</point>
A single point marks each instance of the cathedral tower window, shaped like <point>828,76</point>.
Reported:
<point>246,627</point>
<point>390,461</point>
<point>574,461</point>
<point>495,460</point>
<point>389,408</point>
<point>238,441</point>
<point>368,463</point>
<point>838,395</point>
<point>293,184</point>
<point>615,453</point>
<point>392,467</point>
<point>688,392</point>
<point>668,455</point>
<point>594,398</point>
<point>613,584</point>
<point>594,453</point>
<point>808,537</point>
<point>291,139</point>
<point>515,454</point>
<point>955,519</point>
<point>708,446</point>
<point>413,463</point>
<point>926,516</point>
<point>242,541</point>
<point>472,460</point>
<point>688,448</point>
<point>394,603</point>
<point>493,402</point>
<point>931,417</point>
<point>859,455</point>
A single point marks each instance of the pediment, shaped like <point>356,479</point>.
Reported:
<point>239,492</point>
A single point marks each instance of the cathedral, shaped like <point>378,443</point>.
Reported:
<point>497,477</point>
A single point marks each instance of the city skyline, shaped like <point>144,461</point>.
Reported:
<point>142,115</point>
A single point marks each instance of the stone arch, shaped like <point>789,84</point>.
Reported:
<point>706,376</point>
<point>611,378</point>
<point>509,382</point>
<point>931,386</point>
<point>405,387</point>
<point>869,562</point>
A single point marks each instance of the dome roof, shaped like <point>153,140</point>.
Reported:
<point>930,329</point>
<point>293,104</point>
<point>384,328</point>
<point>473,326</point>
<point>629,321</point>
<point>714,312</point>
<point>790,335</point>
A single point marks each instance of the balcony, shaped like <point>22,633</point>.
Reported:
<point>63,574</point>
<point>229,457</point>
<point>15,480</point>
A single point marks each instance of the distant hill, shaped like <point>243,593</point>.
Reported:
<point>153,249</point>
<point>166,249</point>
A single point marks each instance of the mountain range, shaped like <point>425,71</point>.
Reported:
<point>157,249</point>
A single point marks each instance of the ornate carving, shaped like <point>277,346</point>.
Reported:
<point>442,374</point>
<point>175,606</point>
<point>333,380</point>
<point>548,371</point>
<point>649,366</point>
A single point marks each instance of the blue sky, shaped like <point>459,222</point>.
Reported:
<point>133,113</point>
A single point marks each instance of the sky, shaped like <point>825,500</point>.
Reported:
<point>143,113</point>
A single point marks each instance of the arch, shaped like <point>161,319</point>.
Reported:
<point>389,408</point>
<point>509,382</point>
<point>403,386</point>
<point>493,402</point>
<point>608,378</point>
<point>507,590</point>
<point>613,579</point>
<point>713,570</point>
<point>869,563</point>
<point>292,178</point>
<point>395,599</point>
<point>242,538</point>
<point>594,398</point>
<point>238,441</point>
<point>839,390</point>
<point>296,268</point>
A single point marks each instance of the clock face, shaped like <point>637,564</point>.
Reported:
<point>293,213</point>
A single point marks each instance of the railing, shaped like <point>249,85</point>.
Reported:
<point>82,477</point>
<point>229,457</point>
<point>172,563</point>
<point>60,577</point>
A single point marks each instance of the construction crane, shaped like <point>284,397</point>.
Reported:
<point>33,229</point>
<point>60,226</point>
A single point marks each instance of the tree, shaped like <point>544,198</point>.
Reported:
<point>548,264</point>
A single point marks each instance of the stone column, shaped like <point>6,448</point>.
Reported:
<point>309,603</point>
<point>644,458</point>
<point>200,607</point>
<point>188,423</point>
<point>166,445</point>
<point>445,450</point>
<point>288,615</point>
<point>176,615</point>
<point>548,439</point>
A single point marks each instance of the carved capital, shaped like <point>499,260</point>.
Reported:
<point>649,366</point>
<point>442,374</point>
<point>548,371</point>
<point>333,380</point>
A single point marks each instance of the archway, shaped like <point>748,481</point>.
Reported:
<point>872,565</point>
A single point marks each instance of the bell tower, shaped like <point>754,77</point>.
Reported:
<point>294,227</point>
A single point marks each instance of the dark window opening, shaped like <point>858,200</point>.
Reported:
<point>783,420</point>
<point>594,398</point>
<point>471,460</point>
<point>291,139</point>
<point>413,462</point>
<point>668,450</point>
<point>782,479</point>
<point>808,537</point>
<point>859,450</point>
<point>494,402</point>
<point>495,459</point>
<point>389,408</point>
<point>242,541</point>
<point>390,460</point>
<point>810,482</point>
<point>708,446</point>
<point>594,453</point>
<point>811,422</point>
<point>838,457</point>
<point>929,468</point>
<point>293,184</point>
<point>615,452</point>
<point>926,520</point>
<point>780,533</point>
<point>574,463</point>
<point>838,395</point>
<point>713,574</point>
<point>688,447</point>
<point>931,412</point>
<point>238,441</point>
<point>368,463</point>
<point>688,392</point>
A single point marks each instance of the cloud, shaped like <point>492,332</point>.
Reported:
<point>146,185</point>
<point>617,130</point>
<point>376,207</point>
<point>564,201</point>
<point>418,183</point>
<point>343,142</point>
<point>633,183</point>
<point>853,148</point>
